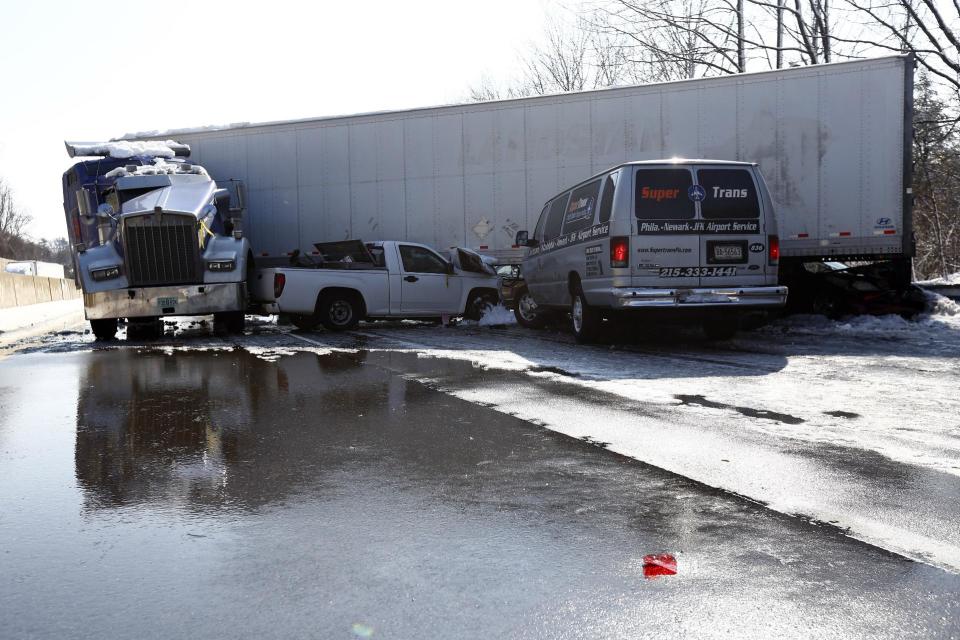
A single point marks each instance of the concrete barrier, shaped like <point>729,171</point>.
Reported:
<point>18,291</point>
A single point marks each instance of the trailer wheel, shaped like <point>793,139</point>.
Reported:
<point>305,323</point>
<point>340,311</point>
<point>584,320</point>
<point>526,311</point>
<point>104,329</point>
<point>228,322</point>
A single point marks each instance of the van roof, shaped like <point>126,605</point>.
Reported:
<point>660,163</point>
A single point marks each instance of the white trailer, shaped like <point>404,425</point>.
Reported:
<point>833,142</point>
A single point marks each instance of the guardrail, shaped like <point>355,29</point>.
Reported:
<point>18,291</point>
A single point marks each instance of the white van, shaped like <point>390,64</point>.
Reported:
<point>695,236</point>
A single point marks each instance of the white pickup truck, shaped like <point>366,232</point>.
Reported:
<point>350,281</point>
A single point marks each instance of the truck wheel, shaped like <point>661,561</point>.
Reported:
<point>339,311</point>
<point>104,329</point>
<point>228,322</point>
<point>526,311</point>
<point>584,320</point>
<point>721,328</point>
<point>478,305</point>
<point>305,323</point>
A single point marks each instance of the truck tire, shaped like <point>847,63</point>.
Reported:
<point>340,311</point>
<point>104,329</point>
<point>584,321</point>
<point>479,304</point>
<point>525,311</point>
<point>228,322</point>
<point>305,323</point>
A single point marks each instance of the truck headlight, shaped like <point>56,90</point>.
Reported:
<point>108,273</point>
<point>221,265</point>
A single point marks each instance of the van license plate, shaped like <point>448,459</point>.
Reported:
<point>166,302</point>
<point>727,252</point>
<point>697,272</point>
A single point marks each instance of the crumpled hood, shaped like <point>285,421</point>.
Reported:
<point>187,196</point>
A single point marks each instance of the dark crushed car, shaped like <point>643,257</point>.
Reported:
<point>835,289</point>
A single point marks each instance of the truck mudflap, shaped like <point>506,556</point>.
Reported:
<point>741,297</point>
<point>181,300</point>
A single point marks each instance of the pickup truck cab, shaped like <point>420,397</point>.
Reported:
<point>351,280</point>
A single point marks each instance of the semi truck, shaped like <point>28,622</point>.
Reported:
<point>152,236</point>
<point>832,141</point>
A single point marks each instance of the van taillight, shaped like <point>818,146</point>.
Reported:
<point>773,242</point>
<point>279,280</point>
<point>620,252</point>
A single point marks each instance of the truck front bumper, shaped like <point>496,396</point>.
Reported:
<point>740,297</point>
<point>181,300</point>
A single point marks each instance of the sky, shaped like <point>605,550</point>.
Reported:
<point>94,71</point>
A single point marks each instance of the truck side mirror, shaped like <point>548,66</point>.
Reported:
<point>451,270</point>
<point>523,239</point>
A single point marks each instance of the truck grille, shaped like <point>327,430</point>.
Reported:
<point>161,250</point>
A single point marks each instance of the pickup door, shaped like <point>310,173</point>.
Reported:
<point>426,287</point>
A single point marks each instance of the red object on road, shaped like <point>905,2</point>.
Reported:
<point>656,565</point>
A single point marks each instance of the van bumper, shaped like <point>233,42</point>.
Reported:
<point>739,297</point>
<point>181,300</point>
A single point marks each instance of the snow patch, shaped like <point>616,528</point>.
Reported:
<point>951,279</point>
<point>127,148</point>
<point>497,316</point>
<point>159,167</point>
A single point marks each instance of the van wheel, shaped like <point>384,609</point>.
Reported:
<point>104,329</point>
<point>305,323</point>
<point>526,311</point>
<point>721,328</point>
<point>584,320</point>
<point>339,311</point>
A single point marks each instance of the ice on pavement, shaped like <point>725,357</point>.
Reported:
<point>497,316</point>
<point>880,384</point>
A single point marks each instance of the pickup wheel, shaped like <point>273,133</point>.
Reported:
<point>305,323</point>
<point>228,322</point>
<point>526,311</point>
<point>104,329</point>
<point>340,311</point>
<point>479,304</point>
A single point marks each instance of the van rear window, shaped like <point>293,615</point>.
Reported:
<point>662,194</point>
<point>728,193</point>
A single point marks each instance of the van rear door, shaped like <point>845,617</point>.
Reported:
<point>666,249</point>
<point>733,244</point>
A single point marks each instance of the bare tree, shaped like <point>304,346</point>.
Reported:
<point>925,28</point>
<point>13,222</point>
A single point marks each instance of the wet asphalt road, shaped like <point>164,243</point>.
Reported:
<point>216,493</point>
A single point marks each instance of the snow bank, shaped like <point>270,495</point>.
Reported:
<point>952,279</point>
<point>127,148</point>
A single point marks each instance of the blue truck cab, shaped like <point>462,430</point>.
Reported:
<point>153,236</point>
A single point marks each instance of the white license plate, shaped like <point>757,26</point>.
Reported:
<point>166,302</point>
<point>697,272</point>
<point>728,252</point>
